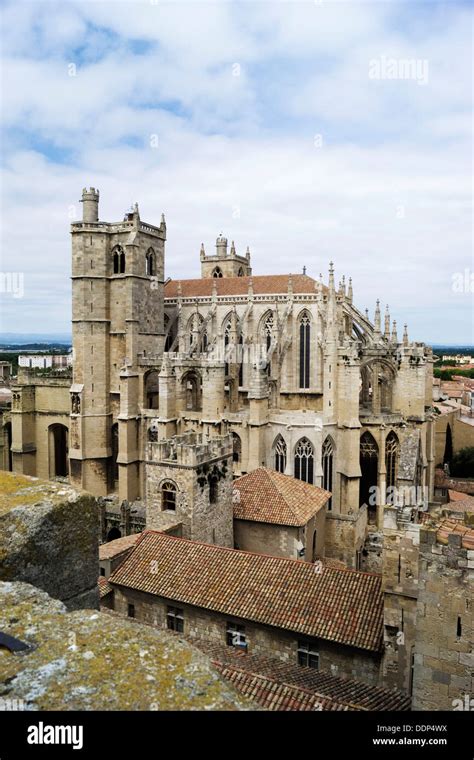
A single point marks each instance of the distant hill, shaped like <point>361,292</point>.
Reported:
<point>34,341</point>
<point>453,350</point>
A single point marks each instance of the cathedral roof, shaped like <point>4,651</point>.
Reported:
<point>268,496</point>
<point>233,286</point>
<point>344,606</point>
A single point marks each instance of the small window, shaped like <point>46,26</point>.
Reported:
<point>131,610</point>
<point>235,635</point>
<point>217,272</point>
<point>213,491</point>
<point>102,570</point>
<point>308,656</point>
<point>459,628</point>
<point>175,619</point>
<point>168,496</point>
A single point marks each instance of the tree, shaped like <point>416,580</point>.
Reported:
<point>462,463</point>
<point>448,449</point>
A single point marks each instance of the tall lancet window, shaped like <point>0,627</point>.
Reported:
<point>280,455</point>
<point>267,336</point>
<point>391,465</point>
<point>304,461</point>
<point>236,353</point>
<point>150,267</point>
<point>305,352</point>
<point>328,465</point>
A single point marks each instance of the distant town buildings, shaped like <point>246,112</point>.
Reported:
<point>457,359</point>
<point>45,361</point>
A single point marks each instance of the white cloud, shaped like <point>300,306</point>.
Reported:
<point>386,196</point>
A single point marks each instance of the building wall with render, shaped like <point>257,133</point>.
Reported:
<point>272,642</point>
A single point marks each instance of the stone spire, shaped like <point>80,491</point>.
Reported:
<point>405,335</point>
<point>331,277</point>
<point>250,288</point>
<point>343,285</point>
<point>387,323</point>
<point>232,249</point>
<point>377,322</point>
<point>202,252</point>
<point>350,294</point>
<point>394,332</point>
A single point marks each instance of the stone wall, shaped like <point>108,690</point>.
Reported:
<point>49,536</point>
<point>400,586</point>
<point>444,643</point>
<point>345,536</point>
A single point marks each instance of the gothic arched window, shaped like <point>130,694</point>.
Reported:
<point>304,461</point>
<point>328,466</point>
<point>152,390</point>
<point>150,267</point>
<point>280,454</point>
<point>236,353</point>
<point>118,257</point>
<point>217,272</point>
<point>305,351</point>
<point>168,496</point>
<point>267,336</point>
<point>240,273</point>
<point>391,465</point>
<point>236,448</point>
<point>267,330</point>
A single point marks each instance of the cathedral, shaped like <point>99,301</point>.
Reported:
<point>179,386</point>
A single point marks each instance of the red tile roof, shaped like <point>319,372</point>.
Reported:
<point>344,606</point>
<point>119,545</point>
<point>459,496</point>
<point>233,286</point>
<point>270,497</point>
<point>104,587</point>
<point>272,695</point>
<point>455,527</point>
<point>277,685</point>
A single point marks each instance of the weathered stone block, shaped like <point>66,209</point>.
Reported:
<point>86,660</point>
<point>49,538</point>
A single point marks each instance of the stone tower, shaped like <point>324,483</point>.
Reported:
<point>189,481</point>
<point>400,582</point>
<point>117,308</point>
<point>225,263</point>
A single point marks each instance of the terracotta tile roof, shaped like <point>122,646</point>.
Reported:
<point>344,606</point>
<point>277,696</point>
<point>459,496</point>
<point>277,685</point>
<point>119,545</point>
<point>233,286</point>
<point>455,527</point>
<point>270,497</point>
<point>462,505</point>
<point>104,587</point>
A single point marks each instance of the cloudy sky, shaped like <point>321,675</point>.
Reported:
<point>296,128</point>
